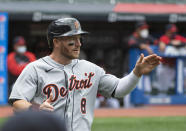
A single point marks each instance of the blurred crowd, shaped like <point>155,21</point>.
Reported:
<point>171,43</point>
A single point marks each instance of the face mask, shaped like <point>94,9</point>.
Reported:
<point>21,49</point>
<point>144,33</point>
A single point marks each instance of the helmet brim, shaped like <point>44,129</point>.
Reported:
<point>72,33</point>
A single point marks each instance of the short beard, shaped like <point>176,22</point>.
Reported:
<point>65,53</point>
<point>69,56</point>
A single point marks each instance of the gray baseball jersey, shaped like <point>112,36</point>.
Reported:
<point>74,87</point>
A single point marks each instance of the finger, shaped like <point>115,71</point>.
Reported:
<point>141,58</point>
<point>155,63</point>
<point>47,109</point>
<point>154,66</point>
<point>162,59</point>
<point>46,105</point>
<point>159,59</point>
<point>154,60</point>
<point>49,100</point>
<point>153,56</point>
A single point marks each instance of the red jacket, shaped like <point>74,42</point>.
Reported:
<point>165,39</point>
<point>16,68</point>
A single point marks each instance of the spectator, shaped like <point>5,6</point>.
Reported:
<point>34,121</point>
<point>18,59</point>
<point>170,44</point>
<point>141,38</point>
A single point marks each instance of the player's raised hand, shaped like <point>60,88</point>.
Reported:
<point>144,65</point>
<point>46,105</point>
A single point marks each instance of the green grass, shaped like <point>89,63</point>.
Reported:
<point>2,120</point>
<point>136,124</point>
<point>140,124</point>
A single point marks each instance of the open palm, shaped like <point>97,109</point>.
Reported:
<point>144,65</point>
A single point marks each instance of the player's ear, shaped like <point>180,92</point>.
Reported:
<point>56,42</point>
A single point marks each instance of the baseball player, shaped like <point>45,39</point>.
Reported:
<point>67,86</point>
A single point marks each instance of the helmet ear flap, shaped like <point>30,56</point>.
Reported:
<point>50,40</point>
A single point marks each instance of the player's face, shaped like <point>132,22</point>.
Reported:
<point>70,46</point>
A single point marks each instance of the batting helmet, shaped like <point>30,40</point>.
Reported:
<point>63,27</point>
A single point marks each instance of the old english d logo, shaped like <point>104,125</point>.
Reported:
<point>76,25</point>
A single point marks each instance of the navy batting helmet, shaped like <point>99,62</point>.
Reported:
<point>63,27</point>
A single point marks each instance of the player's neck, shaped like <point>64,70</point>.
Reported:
<point>60,59</point>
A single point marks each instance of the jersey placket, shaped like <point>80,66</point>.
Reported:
<point>70,100</point>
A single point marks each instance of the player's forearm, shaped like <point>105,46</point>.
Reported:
<point>21,105</point>
<point>126,85</point>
